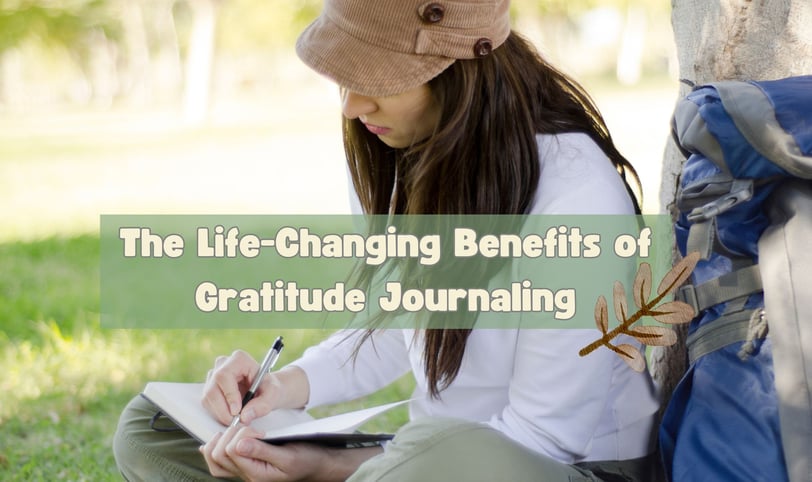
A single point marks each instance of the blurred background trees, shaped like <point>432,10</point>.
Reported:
<point>104,53</point>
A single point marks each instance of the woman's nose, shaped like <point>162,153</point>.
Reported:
<point>355,105</point>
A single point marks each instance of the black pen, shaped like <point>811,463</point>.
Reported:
<point>267,364</point>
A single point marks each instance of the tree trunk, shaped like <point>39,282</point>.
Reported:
<point>12,78</point>
<point>136,43</point>
<point>726,40</point>
<point>199,60</point>
<point>168,77</point>
<point>629,65</point>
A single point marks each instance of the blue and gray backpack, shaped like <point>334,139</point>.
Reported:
<point>743,409</point>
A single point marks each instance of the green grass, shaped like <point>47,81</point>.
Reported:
<point>66,379</point>
<point>51,279</point>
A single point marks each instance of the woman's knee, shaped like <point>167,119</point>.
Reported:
<point>143,453</point>
<point>131,438</point>
<point>449,449</point>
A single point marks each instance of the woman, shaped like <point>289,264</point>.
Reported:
<point>446,111</point>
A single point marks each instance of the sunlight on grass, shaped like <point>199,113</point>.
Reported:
<point>87,365</point>
<point>81,367</point>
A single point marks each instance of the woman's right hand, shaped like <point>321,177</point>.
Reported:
<point>230,378</point>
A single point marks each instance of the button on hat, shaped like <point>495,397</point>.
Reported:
<point>433,13</point>
<point>385,47</point>
<point>483,47</point>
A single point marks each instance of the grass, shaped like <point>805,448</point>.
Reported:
<point>66,378</point>
<point>51,279</point>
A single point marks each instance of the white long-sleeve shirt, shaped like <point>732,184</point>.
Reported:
<point>530,384</point>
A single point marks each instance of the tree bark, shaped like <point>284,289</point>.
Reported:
<point>727,40</point>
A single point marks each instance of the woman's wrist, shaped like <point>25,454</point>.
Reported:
<point>293,386</point>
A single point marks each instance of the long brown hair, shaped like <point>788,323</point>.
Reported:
<point>482,158</point>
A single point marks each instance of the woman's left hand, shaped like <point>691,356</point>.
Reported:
<point>238,452</point>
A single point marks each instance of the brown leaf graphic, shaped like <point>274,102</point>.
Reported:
<point>621,308</point>
<point>654,335</point>
<point>678,274</point>
<point>642,285</point>
<point>631,355</point>
<point>602,314</point>
<point>674,313</point>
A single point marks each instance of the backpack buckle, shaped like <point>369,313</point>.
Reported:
<point>741,190</point>
<point>687,294</point>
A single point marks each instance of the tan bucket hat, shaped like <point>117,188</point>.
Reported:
<point>385,47</point>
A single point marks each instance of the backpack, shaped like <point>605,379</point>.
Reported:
<point>743,409</point>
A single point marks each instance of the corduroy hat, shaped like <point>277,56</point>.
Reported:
<point>385,47</point>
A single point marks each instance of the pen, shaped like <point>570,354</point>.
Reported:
<point>267,364</point>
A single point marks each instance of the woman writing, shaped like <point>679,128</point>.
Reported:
<point>446,111</point>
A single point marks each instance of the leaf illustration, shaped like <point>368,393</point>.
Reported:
<point>642,285</point>
<point>602,314</point>
<point>621,308</point>
<point>674,313</point>
<point>654,335</point>
<point>631,355</point>
<point>678,274</point>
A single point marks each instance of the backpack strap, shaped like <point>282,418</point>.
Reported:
<point>786,265</point>
<point>736,284</point>
<point>723,331</point>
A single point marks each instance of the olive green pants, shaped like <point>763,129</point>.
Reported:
<point>431,449</point>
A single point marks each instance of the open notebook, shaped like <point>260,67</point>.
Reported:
<point>181,403</point>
